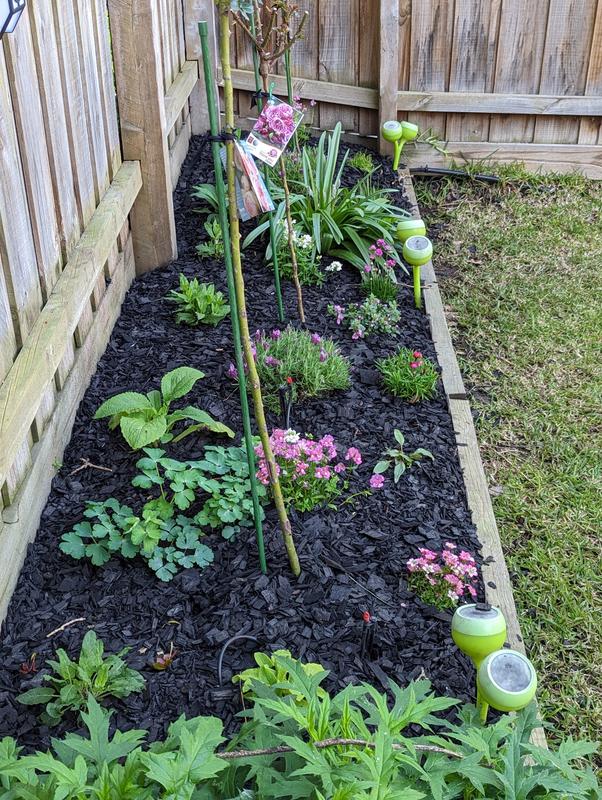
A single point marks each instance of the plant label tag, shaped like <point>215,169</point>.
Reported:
<point>273,130</point>
<point>252,196</point>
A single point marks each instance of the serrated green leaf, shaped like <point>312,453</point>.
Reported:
<point>139,432</point>
<point>124,403</point>
<point>178,382</point>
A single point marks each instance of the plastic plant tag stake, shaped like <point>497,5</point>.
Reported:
<point>252,196</point>
<point>273,130</point>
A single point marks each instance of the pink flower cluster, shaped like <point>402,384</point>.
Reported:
<point>307,458</point>
<point>417,360</point>
<point>443,577</point>
<point>380,263</point>
<point>276,123</point>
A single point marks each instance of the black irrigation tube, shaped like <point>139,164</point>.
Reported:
<point>442,172</point>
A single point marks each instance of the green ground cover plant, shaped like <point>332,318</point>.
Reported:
<point>72,683</point>
<point>519,265</point>
<point>369,318</point>
<point>198,302</point>
<point>167,540</point>
<point>308,262</point>
<point>144,419</point>
<point>214,246</point>
<point>362,161</point>
<point>409,375</point>
<point>298,741</point>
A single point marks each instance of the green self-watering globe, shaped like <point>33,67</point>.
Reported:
<point>478,629</point>
<point>417,250</point>
<point>506,681</point>
<point>410,227</point>
<point>398,133</point>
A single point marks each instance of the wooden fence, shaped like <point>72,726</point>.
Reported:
<point>98,100</point>
<point>514,79</point>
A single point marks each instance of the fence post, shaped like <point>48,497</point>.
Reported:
<point>388,78</point>
<point>196,11</point>
<point>135,34</point>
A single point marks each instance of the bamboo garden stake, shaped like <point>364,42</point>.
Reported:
<point>253,377</point>
<point>271,41</point>
<point>213,108</point>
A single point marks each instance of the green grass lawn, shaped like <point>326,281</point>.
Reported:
<point>520,266</point>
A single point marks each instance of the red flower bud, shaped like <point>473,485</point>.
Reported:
<point>290,380</point>
<point>366,616</point>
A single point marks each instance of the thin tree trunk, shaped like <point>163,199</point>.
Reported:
<point>253,377</point>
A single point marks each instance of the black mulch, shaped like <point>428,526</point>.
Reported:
<point>352,559</point>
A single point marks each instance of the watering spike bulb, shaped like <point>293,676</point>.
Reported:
<point>478,629</point>
<point>410,227</point>
<point>417,251</point>
<point>398,133</point>
<point>506,681</point>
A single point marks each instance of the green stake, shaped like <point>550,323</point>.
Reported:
<point>223,220</point>
<point>266,176</point>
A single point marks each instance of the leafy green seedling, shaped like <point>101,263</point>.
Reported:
<point>74,682</point>
<point>198,302</point>
<point>214,248</point>
<point>145,418</point>
<point>400,460</point>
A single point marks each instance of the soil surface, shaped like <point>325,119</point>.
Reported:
<point>353,559</point>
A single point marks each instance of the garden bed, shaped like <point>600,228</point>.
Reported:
<point>353,557</point>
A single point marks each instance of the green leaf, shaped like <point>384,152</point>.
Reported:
<point>123,404</point>
<point>400,468</point>
<point>381,467</point>
<point>72,544</point>
<point>37,697</point>
<point>139,432</point>
<point>399,437</point>
<point>98,554</point>
<point>178,382</point>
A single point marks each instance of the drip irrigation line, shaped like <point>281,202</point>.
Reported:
<point>332,563</point>
<point>220,661</point>
<point>425,172</point>
<point>224,224</point>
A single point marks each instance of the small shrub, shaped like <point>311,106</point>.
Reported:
<point>399,460</point>
<point>378,274</point>
<point>443,578</point>
<point>409,375</point>
<point>313,363</point>
<point>371,317</point>
<point>144,418</point>
<point>362,161</point>
<point>198,302</point>
<point>308,263</point>
<point>309,469</point>
<point>214,248</point>
<point>74,682</point>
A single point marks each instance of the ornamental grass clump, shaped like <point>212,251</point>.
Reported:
<point>443,578</point>
<point>309,470</point>
<point>314,363</point>
<point>409,375</point>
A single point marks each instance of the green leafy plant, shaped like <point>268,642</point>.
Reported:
<point>400,461</point>
<point>362,161</point>
<point>371,317</point>
<point>74,682</point>
<point>301,742</point>
<point>167,542</point>
<point>222,474</point>
<point>342,221</point>
<point>274,671</point>
<point>198,302</point>
<point>214,247</point>
<point>409,375</point>
<point>308,263</point>
<point>145,418</point>
<point>310,363</point>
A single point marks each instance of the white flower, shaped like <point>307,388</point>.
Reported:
<point>335,266</point>
<point>291,436</point>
